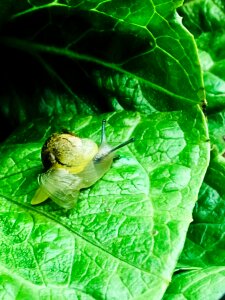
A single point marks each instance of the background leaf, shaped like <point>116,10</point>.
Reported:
<point>204,245</point>
<point>194,284</point>
<point>100,56</point>
<point>203,253</point>
<point>205,239</point>
<point>205,19</point>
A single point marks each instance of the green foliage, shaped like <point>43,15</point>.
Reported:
<point>207,283</point>
<point>68,65</point>
<point>204,245</point>
<point>127,230</point>
<point>206,20</point>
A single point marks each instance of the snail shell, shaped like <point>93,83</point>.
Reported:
<point>68,151</point>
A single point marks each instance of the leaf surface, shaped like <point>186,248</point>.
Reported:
<point>103,56</point>
<point>205,239</point>
<point>207,283</point>
<point>125,234</point>
<point>205,20</point>
<point>201,265</point>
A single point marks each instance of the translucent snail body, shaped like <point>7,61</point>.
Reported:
<point>72,164</point>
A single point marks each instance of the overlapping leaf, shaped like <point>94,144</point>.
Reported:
<point>205,19</point>
<point>104,55</point>
<point>200,284</point>
<point>204,247</point>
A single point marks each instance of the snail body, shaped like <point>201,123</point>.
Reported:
<point>71,164</point>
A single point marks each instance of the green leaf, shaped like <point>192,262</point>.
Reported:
<point>207,284</point>
<point>205,240</point>
<point>206,20</point>
<point>211,47</point>
<point>123,238</point>
<point>217,130</point>
<point>203,15</point>
<point>103,56</point>
<point>204,245</point>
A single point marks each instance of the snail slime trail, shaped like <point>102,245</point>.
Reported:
<point>72,163</point>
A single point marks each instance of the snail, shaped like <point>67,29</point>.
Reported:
<point>71,164</point>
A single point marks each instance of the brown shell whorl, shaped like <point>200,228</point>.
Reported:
<point>56,149</point>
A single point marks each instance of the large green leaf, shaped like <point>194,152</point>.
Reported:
<point>103,55</point>
<point>204,246</point>
<point>123,238</point>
